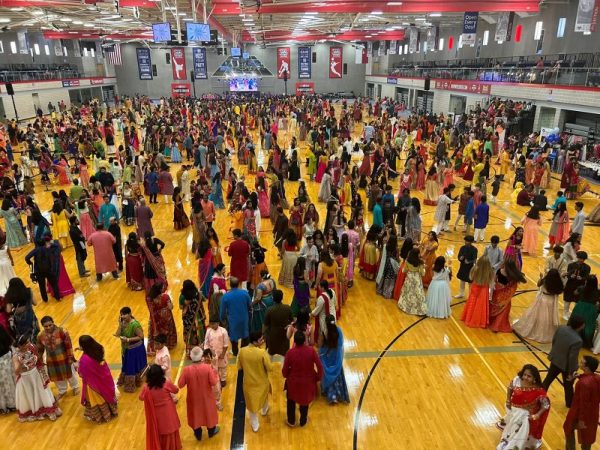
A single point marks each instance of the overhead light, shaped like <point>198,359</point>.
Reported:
<point>37,12</point>
<point>127,19</point>
<point>18,8</point>
<point>182,14</point>
<point>377,13</point>
<point>390,29</point>
<point>406,24</point>
<point>4,20</point>
<point>170,8</point>
<point>77,22</point>
<point>435,15</point>
<point>88,25</point>
<point>368,36</point>
<point>394,3</point>
<point>104,11</point>
<point>188,19</point>
<point>311,13</point>
<point>66,19</point>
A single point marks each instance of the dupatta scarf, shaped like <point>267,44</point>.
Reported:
<point>97,377</point>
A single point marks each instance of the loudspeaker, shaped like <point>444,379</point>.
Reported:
<point>168,58</point>
<point>314,57</point>
<point>9,89</point>
<point>427,84</point>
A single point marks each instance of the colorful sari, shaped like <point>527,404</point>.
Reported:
<point>205,272</point>
<point>154,269</point>
<point>65,287</point>
<point>194,321</point>
<point>161,322</point>
<point>98,395</point>
<point>521,430</point>
<point>333,384</point>
<point>500,306</point>
<point>134,270</point>
<point>133,358</point>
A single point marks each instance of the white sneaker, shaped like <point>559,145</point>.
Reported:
<point>566,317</point>
<point>254,424</point>
<point>460,295</point>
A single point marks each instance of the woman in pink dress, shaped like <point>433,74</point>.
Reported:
<point>420,176</point>
<point>559,230</point>
<point>531,226</point>
<point>84,175</point>
<point>65,287</point>
<point>263,195</point>
<point>85,221</point>
<point>321,168</point>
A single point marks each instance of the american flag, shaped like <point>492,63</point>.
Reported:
<point>112,53</point>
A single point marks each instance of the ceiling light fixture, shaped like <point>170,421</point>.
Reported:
<point>38,13</point>
<point>435,15</point>
<point>394,3</point>
<point>4,20</point>
<point>18,8</point>
<point>66,19</point>
<point>77,22</point>
<point>311,13</point>
<point>377,13</point>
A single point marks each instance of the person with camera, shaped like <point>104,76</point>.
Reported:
<point>46,266</point>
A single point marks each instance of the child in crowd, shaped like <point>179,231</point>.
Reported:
<point>467,255</point>
<point>482,217</point>
<point>217,341</point>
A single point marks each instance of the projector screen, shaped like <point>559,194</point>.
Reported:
<point>243,85</point>
<point>198,32</point>
<point>161,32</point>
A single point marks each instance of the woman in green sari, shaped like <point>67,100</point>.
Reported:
<point>133,352</point>
<point>587,307</point>
<point>263,300</point>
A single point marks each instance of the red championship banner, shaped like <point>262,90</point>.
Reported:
<point>463,86</point>
<point>305,88</point>
<point>178,63</point>
<point>335,62</point>
<point>181,90</point>
<point>283,61</point>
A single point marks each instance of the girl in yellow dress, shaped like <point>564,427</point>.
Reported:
<point>60,225</point>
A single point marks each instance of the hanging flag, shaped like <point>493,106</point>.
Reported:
<point>199,57</point>
<point>144,61</point>
<point>283,62</point>
<point>76,48</point>
<point>393,47</point>
<point>469,34</point>
<point>587,16</point>
<point>414,40</point>
<point>112,53</point>
<point>58,48</point>
<point>361,56</point>
<point>504,26</point>
<point>178,63</point>
<point>304,63</point>
<point>336,56</point>
<point>23,45</point>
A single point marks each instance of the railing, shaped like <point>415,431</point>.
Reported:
<point>36,75</point>
<point>568,76</point>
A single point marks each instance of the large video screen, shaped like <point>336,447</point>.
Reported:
<point>198,32</point>
<point>161,32</point>
<point>236,52</point>
<point>243,85</point>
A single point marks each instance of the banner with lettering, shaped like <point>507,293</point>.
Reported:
<point>144,61</point>
<point>393,48</point>
<point>178,63</point>
<point>304,63</point>
<point>587,16</point>
<point>200,69</point>
<point>58,48</point>
<point>504,26</point>
<point>469,34</point>
<point>413,43</point>
<point>283,62</point>
<point>335,62</point>
<point>432,38</point>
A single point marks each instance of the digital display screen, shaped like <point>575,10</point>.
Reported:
<point>236,51</point>
<point>246,55</point>
<point>243,85</point>
<point>161,32</point>
<point>198,32</point>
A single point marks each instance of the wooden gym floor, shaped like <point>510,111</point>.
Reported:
<point>415,383</point>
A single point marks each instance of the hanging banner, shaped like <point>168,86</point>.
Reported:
<point>181,90</point>
<point>361,56</point>
<point>504,26</point>
<point>587,16</point>
<point>22,40</point>
<point>283,62</point>
<point>393,48</point>
<point>99,53</point>
<point>432,38</point>
<point>200,68</point>
<point>178,63</point>
<point>335,62</point>
<point>370,48</point>
<point>76,48</point>
<point>469,34</point>
<point>381,48</point>
<point>144,61</point>
<point>304,63</point>
<point>305,88</point>
<point>58,49</point>
<point>413,43</point>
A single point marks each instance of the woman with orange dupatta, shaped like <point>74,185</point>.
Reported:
<point>528,408</point>
<point>162,421</point>
<point>507,279</point>
<point>328,271</point>
<point>98,395</point>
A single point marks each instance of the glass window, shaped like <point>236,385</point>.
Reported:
<point>36,48</point>
<point>538,30</point>
<point>13,47</point>
<point>486,37</point>
<point>65,51</point>
<point>46,49</point>
<point>441,46</point>
<point>1,47</point>
<point>562,23</point>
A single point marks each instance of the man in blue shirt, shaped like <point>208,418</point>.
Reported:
<point>378,214</point>
<point>235,308</point>
<point>482,217</point>
<point>560,198</point>
<point>107,211</point>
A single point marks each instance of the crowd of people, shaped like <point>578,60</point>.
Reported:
<point>106,161</point>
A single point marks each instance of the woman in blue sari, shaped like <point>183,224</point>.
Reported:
<point>216,195</point>
<point>333,384</point>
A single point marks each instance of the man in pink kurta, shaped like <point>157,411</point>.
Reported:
<point>201,403</point>
<point>239,251</point>
<point>102,241</point>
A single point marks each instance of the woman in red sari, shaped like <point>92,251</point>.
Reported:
<point>507,279</point>
<point>407,246</point>
<point>161,318</point>
<point>134,263</point>
<point>528,406</point>
<point>162,421</point>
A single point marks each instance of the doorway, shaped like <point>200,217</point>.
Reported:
<point>458,104</point>
<point>35,98</point>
